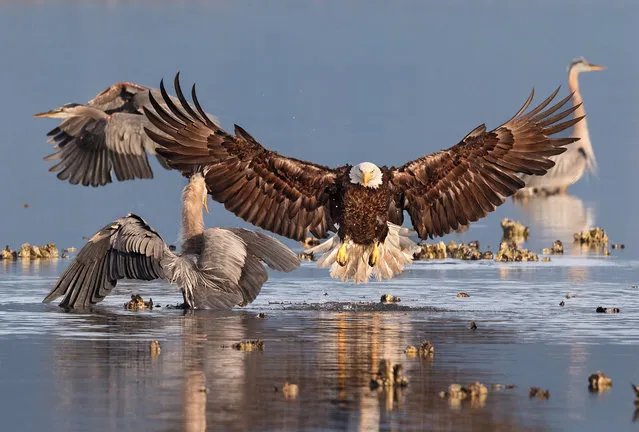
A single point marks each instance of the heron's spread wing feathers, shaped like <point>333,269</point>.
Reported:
<point>89,149</point>
<point>106,136</point>
<point>280,194</point>
<point>223,255</point>
<point>454,187</point>
<point>231,260</point>
<point>268,249</point>
<point>127,248</point>
<point>236,273</point>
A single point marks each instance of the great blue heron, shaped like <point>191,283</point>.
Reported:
<point>363,204</point>
<point>217,268</point>
<point>579,156</point>
<point>102,136</point>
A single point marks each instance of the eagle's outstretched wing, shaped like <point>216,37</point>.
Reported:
<point>126,248</point>
<point>454,187</point>
<point>280,194</point>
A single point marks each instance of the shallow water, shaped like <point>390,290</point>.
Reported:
<point>88,371</point>
<point>333,83</point>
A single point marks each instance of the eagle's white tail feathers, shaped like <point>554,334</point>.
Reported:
<point>395,253</point>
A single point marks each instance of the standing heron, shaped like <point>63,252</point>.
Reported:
<point>217,268</point>
<point>579,156</point>
<point>103,136</point>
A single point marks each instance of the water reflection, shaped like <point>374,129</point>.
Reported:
<point>558,216</point>
<point>198,382</point>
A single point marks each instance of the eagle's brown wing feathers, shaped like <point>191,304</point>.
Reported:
<point>283,195</point>
<point>454,187</point>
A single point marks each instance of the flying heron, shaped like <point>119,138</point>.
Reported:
<point>104,135</point>
<point>579,156</point>
<point>217,268</point>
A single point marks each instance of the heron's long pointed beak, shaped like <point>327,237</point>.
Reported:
<point>205,203</point>
<point>52,114</point>
<point>597,67</point>
<point>367,177</point>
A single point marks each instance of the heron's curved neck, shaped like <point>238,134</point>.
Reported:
<point>573,84</point>
<point>192,216</point>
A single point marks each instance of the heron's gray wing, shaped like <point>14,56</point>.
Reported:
<point>91,146</point>
<point>268,249</point>
<point>127,248</point>
<point>232,268</point>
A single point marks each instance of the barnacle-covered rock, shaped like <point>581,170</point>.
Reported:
<point>487,255</point>
<point>307,256</point>
<point>514,230</point>
<point>411,351</point>
<point>593,237</point>
<point>509,252</point>
<point>475,392</point>
<point>502,387</point>
<point>426,349</point>
<point>387,298</point>
<point>310,242</point>
<point>8,254</point>
<point>539,393</point>
<point>290,391</point>
<point>599,382</point>
<point>430,251</point>
<point>249,345</point>
<point>47,251</point>
<point>137,303</point>
<point>601,309</point>
<point>25,251</point>
<point>556,249</point>
<point>468,252</point>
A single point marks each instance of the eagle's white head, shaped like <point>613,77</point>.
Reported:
<point>366,174</point>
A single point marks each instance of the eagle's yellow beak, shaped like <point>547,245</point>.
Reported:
<point>367,177</point>
<point>205,203</point>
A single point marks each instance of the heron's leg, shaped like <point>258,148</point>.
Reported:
<point>188,299</point>
<point>342,255</point>
<point>373,259</point>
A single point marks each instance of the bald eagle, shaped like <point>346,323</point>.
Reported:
<point>362,204</point>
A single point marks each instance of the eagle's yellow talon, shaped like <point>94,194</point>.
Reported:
<point>373,259</point>
<point>342,256</point>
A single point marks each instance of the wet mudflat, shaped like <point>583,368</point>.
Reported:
<point>88,371</point>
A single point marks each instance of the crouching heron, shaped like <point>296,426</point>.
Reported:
<point>217,268</point>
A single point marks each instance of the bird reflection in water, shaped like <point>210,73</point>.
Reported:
<point>557,217</point>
